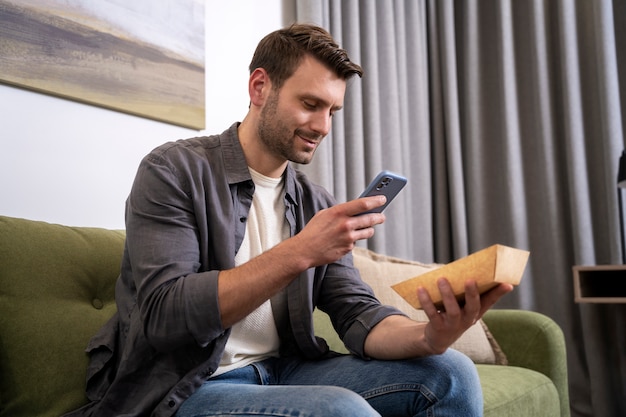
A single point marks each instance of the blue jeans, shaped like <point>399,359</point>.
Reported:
<point>442,385</point>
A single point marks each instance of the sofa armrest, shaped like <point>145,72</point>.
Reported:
<point>534,341</point>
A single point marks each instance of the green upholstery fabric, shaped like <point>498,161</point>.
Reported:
<point>324,328</point>
<point>534,341</point>
<point>514,391</point>
<point>56,290</point>
<point>57,287</point>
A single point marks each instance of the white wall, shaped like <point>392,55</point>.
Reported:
<point>70,163</point>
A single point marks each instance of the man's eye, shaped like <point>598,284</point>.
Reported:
<point>309,105</point>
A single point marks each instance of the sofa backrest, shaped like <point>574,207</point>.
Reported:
<point>56,290</point>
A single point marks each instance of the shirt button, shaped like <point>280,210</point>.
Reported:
<point>243,219</point>
<point>172,403</point>
<point>97,304</point>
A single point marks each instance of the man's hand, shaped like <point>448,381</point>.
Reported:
<point>328,236</point>
<point>332,232</point>
<point>446,326</point>
<point>398,337</point>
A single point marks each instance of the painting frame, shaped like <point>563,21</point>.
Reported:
<point>143,58</point>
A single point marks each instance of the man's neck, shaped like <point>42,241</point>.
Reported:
<point>257,156</point>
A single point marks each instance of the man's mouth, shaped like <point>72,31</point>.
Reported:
<point>310,138</point>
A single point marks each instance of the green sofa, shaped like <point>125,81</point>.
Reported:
<point>56,290</point>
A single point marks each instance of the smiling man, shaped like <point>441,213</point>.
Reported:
<point>228,251</point>
<point>294,119</point>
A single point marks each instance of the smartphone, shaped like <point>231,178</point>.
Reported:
<point>386,183</point>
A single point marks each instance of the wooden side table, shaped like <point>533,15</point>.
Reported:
<point>600,292</point>
<point>600,284</point>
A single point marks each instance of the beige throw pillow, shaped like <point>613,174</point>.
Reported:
<point>381,272</point>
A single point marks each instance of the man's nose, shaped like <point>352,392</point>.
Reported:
<point>321,123</point>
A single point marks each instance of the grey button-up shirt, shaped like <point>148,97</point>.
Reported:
<point>185,220</point>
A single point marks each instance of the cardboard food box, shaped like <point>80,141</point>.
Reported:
<point>489,267</point>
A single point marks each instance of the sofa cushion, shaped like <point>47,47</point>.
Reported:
<point>515,391</point>
<point>56,290</point>
<point>382,271</point>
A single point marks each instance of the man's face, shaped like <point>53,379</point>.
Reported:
<point>295,119</point>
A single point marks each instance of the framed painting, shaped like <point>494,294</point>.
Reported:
<point>141,57</point>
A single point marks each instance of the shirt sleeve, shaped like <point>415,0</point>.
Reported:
<point>177,300</point>
<point>351,304</point>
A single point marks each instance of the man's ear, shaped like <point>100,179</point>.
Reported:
<point>259,85</point>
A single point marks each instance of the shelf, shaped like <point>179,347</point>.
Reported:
<point>600,284</point>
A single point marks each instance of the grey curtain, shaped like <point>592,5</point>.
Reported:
<point>507,118</point>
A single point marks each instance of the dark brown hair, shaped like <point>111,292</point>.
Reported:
<point>280,53</point>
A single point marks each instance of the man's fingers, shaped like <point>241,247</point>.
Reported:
<point>427,303</point>
<point>450,303</point>
<point>473,302</point>
<point>361,205</point>
<point>366,220</point>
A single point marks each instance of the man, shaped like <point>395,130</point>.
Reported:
<point>228,251</point>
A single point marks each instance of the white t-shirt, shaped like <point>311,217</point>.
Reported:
<point>255,337</point>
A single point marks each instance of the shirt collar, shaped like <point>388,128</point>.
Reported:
<point>235,163</point>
